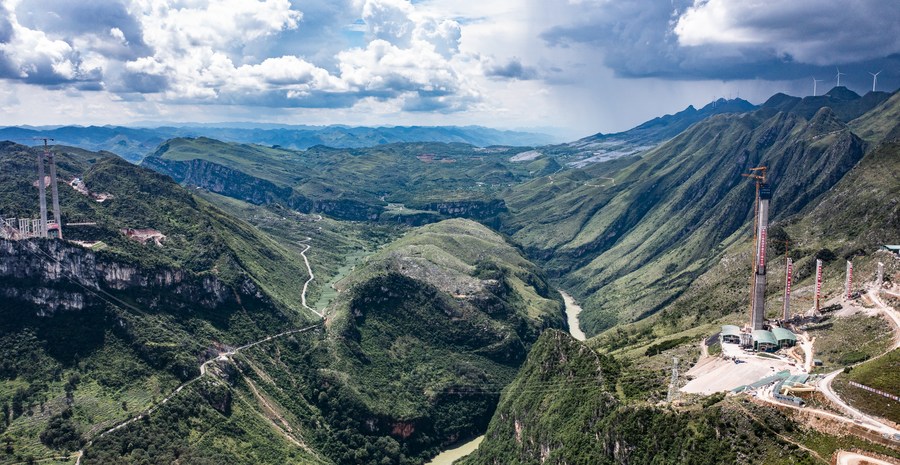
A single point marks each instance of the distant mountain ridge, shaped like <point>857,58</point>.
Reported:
<point>846,104</point>
<point>602,147</point>
<point>134,143</point>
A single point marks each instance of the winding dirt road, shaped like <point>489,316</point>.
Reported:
<point>221,357</point>
<point>825,384</point>
<point>311,277</point>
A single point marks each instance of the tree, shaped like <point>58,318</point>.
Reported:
<point>62,433</point>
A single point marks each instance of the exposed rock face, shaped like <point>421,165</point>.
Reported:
<point>484,211</point>
<point>56,276</point>
<point>232,183</point>
<point>219,179</point>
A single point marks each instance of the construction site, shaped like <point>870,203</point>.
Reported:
<point>12,228</point>
<point>774,360</point>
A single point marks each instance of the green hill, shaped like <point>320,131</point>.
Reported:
<point>851,221</point>
<point>420,339</point>
<point>198,237</point>
<point>880,374</point>
<point>410,183</point>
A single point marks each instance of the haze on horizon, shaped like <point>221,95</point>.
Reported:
<point>576,66</point>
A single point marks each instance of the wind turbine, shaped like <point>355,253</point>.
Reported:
<point>875,79</point>
<point>815,82</point>
<point>839,74</point>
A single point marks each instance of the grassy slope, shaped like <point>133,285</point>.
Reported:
<point>628,249</point>
<point>403,368</point>
<point>879,374</point>
<point>852,220</point>
<point>199,237</point>
<point>336,246</point>
<point>845,341</point>
<point>420,340</point>
<point>209,423</point>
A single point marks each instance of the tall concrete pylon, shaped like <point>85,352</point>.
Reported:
<point>42,189</point>
<point>818,285</point>
<point>54,189</point>
<point>42,192</point>
<point>758,308</point>
<point>848,282</point>
<point>788,281</point>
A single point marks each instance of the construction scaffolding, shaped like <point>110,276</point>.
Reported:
<point>24,228</point>
<point>818,285</point>
<point>788,281</point>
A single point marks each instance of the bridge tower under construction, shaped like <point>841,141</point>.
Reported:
<point>760,229</point>
<point>758,309</point>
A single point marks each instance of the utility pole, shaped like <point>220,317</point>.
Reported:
<point>674,381</point>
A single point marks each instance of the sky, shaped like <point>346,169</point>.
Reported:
<point>570,67</point>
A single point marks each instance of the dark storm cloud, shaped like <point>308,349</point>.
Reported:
<point>67,19</point>
<point>513,69</point>
<point>142,83</point>
<point>731,39</point>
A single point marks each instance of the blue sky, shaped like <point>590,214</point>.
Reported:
<point>576,66</point>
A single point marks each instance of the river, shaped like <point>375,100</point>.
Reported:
<point>572,311</point>
<point>448,456</point>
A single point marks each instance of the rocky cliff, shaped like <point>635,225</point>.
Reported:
<point>54,275</point>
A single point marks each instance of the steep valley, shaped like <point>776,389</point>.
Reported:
<point>200,341</point>
<point>627,237</point>
<point>438,270</point>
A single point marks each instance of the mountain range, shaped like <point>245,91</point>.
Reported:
<point>133,143</point>
<point>233,302</point>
